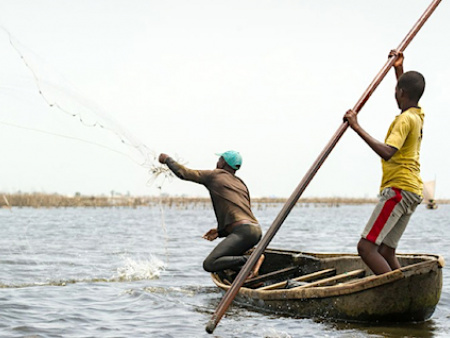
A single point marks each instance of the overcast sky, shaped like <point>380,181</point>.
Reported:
<point>271,79</point>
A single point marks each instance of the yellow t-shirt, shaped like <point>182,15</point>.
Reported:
<point>403,169</point>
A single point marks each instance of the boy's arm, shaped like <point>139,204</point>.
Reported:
<point>398,64</point>
<point>383,150</point>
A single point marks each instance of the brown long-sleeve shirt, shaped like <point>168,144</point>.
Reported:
<point>229,194</point>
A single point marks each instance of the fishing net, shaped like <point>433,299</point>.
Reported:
<point>58,93</point>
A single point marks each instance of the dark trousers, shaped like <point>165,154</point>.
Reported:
<point>229,253</point>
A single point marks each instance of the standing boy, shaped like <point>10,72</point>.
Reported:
<point>401,186</point>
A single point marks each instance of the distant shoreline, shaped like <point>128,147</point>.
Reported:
<point>41,200</point>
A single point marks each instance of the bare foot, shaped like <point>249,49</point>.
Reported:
<point>255,271</point>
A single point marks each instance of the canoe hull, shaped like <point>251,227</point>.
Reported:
<point>409,294</point>
<point>414,303</point>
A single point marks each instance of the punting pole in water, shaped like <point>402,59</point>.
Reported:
<point>290,203</point>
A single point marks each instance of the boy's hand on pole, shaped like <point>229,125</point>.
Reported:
<point>351,117</point>
<point>400,57</point>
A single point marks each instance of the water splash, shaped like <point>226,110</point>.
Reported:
<point>139,269</point>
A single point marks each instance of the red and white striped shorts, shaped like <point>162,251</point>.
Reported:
<point>390,217</point>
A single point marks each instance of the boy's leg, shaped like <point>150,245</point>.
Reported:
<point>389,255</point>
<point>372,257</point>
<point>384,229</point>
<point>382,220</point>
<point>409,203</point>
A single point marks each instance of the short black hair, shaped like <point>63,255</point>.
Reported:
<point>413,84</point>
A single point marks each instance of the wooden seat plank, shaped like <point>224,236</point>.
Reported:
<point>305,278</point>
<point>335,279</point>
<point>271,275</point>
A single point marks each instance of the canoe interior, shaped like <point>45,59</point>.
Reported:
<point>282,265</point>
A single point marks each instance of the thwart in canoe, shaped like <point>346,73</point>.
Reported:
<point>340,287</point>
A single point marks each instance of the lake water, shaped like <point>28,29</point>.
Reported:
<point>123,272</point>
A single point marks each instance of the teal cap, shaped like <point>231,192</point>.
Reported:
<point>233,158</point>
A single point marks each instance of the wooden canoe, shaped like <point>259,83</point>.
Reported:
<point>341,287</point>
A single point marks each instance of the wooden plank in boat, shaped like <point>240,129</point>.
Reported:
<point>305,278</point>
<point>334,280</point>
<point>279,273</point>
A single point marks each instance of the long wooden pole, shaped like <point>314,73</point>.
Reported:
<point>290,203</point>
